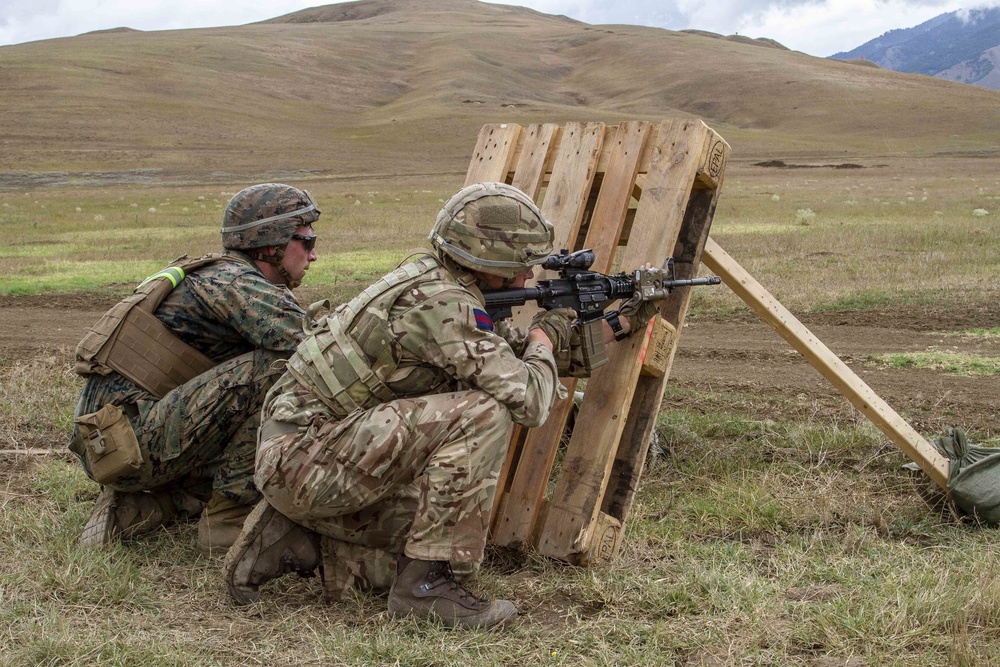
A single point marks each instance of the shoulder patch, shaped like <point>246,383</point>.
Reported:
<point>483,320</point>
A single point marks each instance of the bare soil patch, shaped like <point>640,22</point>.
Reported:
<point>738,355</point>
<point>748,357</point>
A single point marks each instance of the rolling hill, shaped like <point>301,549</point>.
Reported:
<point>389,86</point>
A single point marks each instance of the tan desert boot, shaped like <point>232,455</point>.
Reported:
<point>121,515</point>
<point>270,545</point>
<point>220,524</point>
<point>427,589</point>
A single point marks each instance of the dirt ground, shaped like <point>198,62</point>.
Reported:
<point>736,356</point>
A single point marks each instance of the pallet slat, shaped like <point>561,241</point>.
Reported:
<point>494,153</point>
<point>585,176</point>
<point>626,471</point>
<point>535,158</point>
<point>677,153</point>
<point>516,524</point>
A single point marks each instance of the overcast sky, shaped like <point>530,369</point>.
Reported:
<point>817,27</point>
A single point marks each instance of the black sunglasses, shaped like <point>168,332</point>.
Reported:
<point>308,242</point>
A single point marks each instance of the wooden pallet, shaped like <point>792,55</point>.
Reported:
<point>636,193</point>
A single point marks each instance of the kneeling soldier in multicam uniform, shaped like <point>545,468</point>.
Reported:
<point>176,375</point>
<point>381,446</point>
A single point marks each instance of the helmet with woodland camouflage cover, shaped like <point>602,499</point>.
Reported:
<point>494,228</point>
<point>266,215</point>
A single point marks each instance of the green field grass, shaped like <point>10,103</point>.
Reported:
<point>887,234</point>
<point>764,542</point>
<point>79,240</point>
<point>768,532</point>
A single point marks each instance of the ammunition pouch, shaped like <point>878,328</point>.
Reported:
<point>106,441</point>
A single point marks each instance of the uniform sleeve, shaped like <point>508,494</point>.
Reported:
<point>451,331</point>
<point>266,315</point>
<point>515,337</point>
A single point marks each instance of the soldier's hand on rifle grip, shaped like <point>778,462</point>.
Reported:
<point>557,324</point>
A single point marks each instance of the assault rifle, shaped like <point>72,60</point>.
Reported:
<point>588,293</point>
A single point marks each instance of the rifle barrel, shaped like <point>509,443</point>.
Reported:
<point>694,282</point>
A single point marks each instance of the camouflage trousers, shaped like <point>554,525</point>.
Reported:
<point>415,476</point>
<point>201,437</point>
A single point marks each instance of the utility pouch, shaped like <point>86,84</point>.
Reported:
<point>106,440</point>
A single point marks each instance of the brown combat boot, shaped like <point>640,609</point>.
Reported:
<point>427,589</point>
<point>220,524</point>
<point>270,545</point>
<point>121,515</point>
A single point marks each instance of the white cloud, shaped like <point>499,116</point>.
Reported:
<point>817,27</point>
<point>825,28</point>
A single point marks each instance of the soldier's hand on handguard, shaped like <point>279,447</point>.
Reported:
<point>637,311</point>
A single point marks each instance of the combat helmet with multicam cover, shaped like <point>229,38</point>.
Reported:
<point>494,228</point>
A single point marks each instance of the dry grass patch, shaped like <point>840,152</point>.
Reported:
<point>759,541</point>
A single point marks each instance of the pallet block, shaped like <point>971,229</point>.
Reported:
<point>635,193</point>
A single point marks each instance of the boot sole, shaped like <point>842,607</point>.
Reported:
<point>100,527</point>
<point>252,528</point>
<point>455,623</point>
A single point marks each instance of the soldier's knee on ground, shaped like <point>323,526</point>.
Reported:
<point>270,545</point>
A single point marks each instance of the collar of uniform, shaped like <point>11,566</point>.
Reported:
<point>241,256</point>
<point>462,276</point>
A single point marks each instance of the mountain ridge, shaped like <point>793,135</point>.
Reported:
<point>361,10</point>
<point>957,46</point>
<point>397,88</point>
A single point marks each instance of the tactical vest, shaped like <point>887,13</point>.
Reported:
<point>129,339</point>
<point>349,353</point>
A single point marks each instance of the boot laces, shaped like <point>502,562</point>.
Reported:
<point>447,577</point>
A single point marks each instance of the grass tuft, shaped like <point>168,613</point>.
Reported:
<point>952,363</point>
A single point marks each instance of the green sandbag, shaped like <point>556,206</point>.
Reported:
<point>974,481</point>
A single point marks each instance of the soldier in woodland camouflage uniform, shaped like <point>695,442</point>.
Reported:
<point>196,442</point>
<point>381,445</point>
